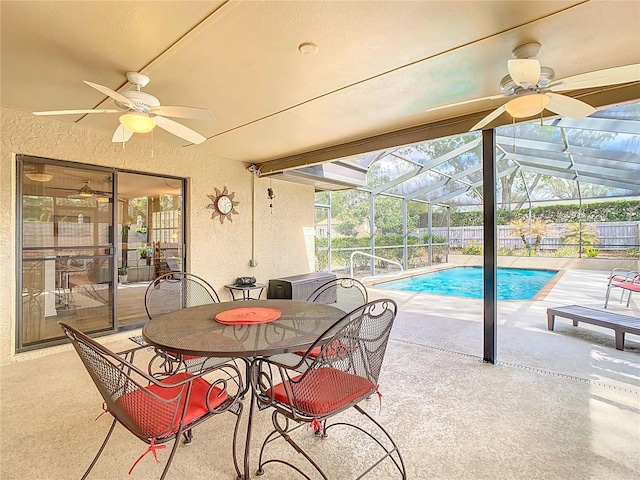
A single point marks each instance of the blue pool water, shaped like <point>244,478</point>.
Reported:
<point>513,283</point>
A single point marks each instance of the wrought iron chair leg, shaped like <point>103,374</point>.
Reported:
<point>104,444</point>
<point>239,475</point>
<point>322,430</point>
<point>267,440</point>
<point>284,433</point>
<point>388,452</point>
<point>260,472</point>
<point>173,452</point>
<point>298,449</point>
<point>188,436</point>
<point>400,467</point>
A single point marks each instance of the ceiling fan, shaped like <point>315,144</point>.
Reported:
<point>141,112</point>
<point>531,88</point>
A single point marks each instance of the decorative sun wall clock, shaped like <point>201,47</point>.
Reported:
<point>223,205</point>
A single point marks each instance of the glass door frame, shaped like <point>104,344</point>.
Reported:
<point>21,159</point>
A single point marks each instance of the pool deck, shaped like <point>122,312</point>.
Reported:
<point>455,324</point>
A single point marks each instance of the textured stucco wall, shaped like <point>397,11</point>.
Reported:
<point>217,252</point>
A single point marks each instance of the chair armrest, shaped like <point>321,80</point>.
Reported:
<point>630,277</point>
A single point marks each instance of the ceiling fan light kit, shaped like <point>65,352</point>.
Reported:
<point>39,177</point>
<point>85,191</point>
<point>527,106</point>
<point>137,122</point>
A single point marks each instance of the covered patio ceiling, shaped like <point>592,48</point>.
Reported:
<point>379,70</point>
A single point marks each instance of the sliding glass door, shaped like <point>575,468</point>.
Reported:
<point>90,240</point>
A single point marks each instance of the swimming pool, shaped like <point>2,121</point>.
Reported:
<point>513,283</point>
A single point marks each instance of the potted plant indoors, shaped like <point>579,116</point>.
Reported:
<point>122,274</point>
<point>142,233</point>
<point>145,251</point>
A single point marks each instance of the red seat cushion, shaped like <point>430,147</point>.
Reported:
<point>323,391</point>
<point>155,418</point>
<point>633,287</point>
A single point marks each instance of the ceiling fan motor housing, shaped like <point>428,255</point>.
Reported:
<point>137,79</point>
<point>143,101</point>
<point>509,87</point>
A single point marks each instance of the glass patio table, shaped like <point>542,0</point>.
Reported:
<point>195,331</point>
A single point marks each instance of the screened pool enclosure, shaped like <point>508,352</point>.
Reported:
<point>565,188</point>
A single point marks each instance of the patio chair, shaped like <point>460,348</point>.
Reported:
<point>156,409</point>
<point>344,293</point>
<point>626,280</point>
<point>174,291</point>
<point>344,373</point>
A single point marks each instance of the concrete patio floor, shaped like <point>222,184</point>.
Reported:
<point>557,405</point>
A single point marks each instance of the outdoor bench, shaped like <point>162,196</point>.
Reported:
<point>621,324</point>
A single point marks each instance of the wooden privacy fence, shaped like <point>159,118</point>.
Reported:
<point>611,235</point>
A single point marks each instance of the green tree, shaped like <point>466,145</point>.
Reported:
<point>347,228</point>
<point>388,219</point>
<point>351,208</point>
<point>563,188</point>
<point>138,206</point>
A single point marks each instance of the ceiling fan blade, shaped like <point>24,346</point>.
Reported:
<point>489,118</point>
<point>179,130</point>
<point>110,93</point>
<point>465,102</point>
<point>182,112</point>
<point>76,112</point>
<point>568,107</point>
<point>599,78</point>
<point>121,134</point>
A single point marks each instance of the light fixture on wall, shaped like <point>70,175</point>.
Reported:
<point>137,122</point>
<point>86,190</point>
<point>527,105</point>
<point>270,195</point>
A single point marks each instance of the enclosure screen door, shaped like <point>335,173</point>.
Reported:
<point>323,238</point>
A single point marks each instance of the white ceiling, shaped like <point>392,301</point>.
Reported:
<point>380,64</point>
